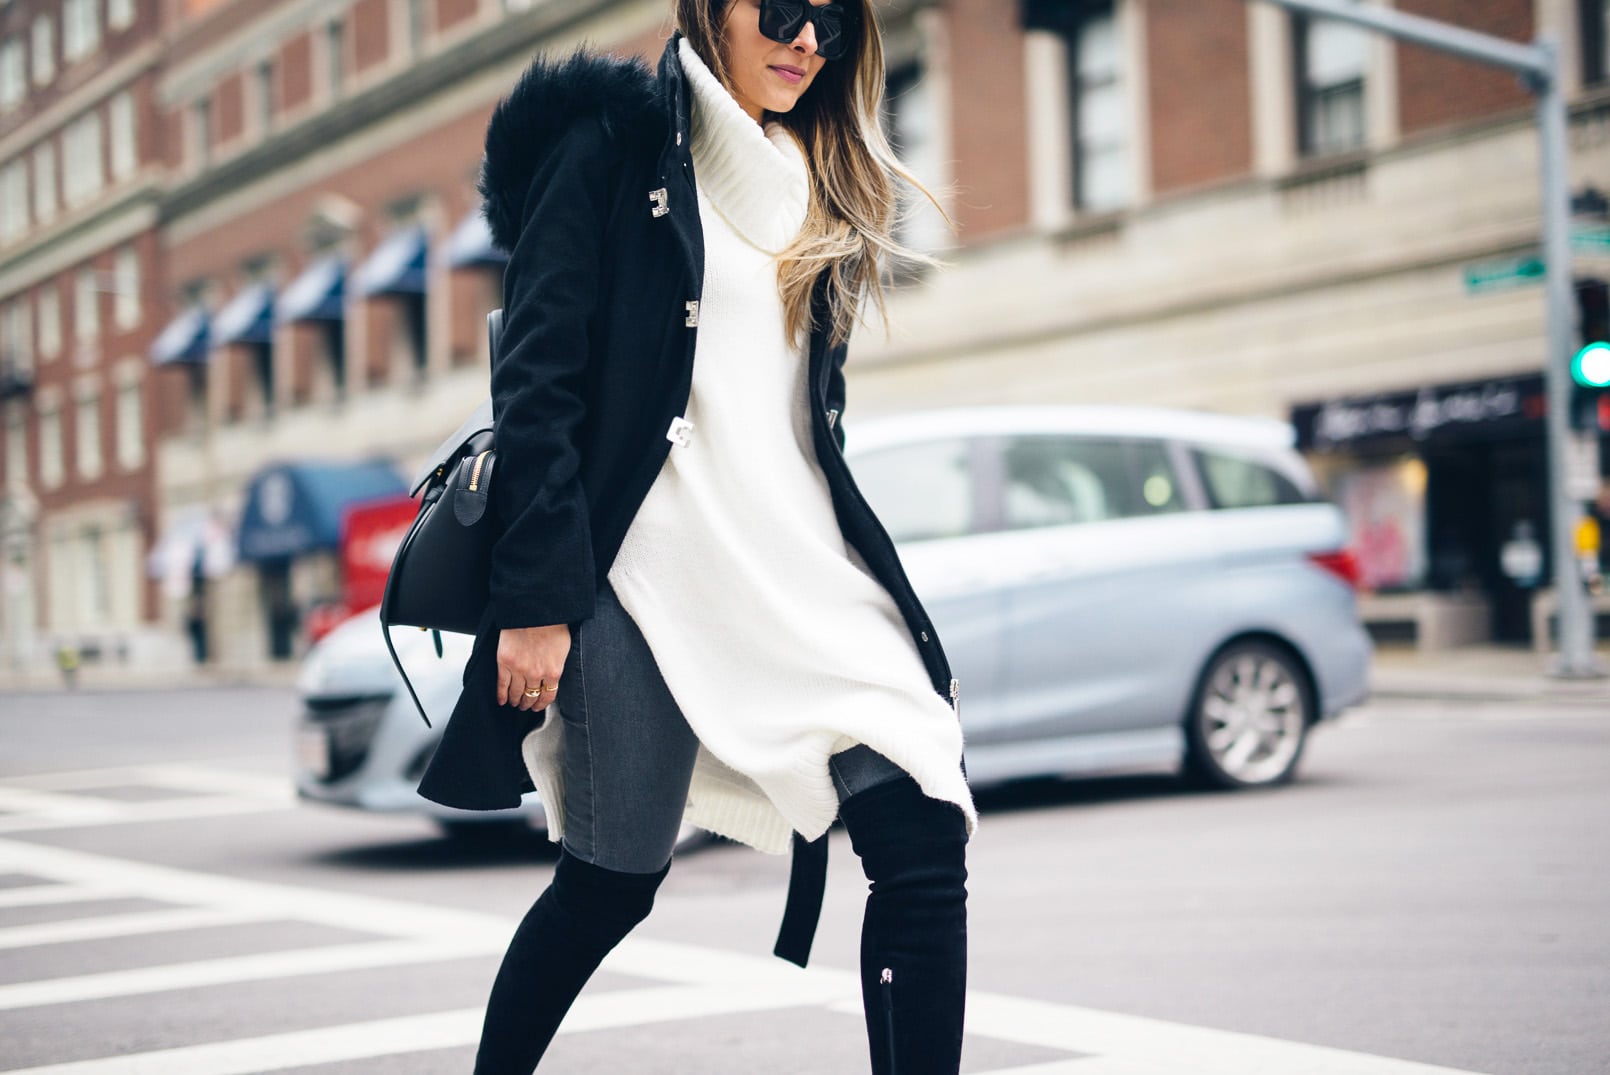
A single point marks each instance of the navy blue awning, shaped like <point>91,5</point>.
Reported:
<point>315,295</point>
<point>183,340</point>
<point>471,244</point>
<point>293,508</point>
<point>248,318</point>
<point>397,267</point>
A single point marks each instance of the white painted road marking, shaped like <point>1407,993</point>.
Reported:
<point>699,982</point>
<point>48,801</point>
<point>123,925</point>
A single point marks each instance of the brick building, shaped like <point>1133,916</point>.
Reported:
<point>1209,203</point>
<point>80,291</point>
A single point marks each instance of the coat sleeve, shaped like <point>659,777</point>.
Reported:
<point>542,562</point>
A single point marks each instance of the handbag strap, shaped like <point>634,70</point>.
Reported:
<point>385,629</point>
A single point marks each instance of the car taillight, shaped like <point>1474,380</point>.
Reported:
<point>1341,563</point>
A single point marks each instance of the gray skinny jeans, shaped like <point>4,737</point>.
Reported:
<point>629,753</point>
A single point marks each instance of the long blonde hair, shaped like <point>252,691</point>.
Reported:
<point>849,231</point>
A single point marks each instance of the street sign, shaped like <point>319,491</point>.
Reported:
<point>1503,274</point>
<point>1591,240</point>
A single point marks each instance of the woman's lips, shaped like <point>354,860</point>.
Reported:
<point>791,75</point>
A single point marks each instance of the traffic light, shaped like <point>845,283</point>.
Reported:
<point>1590,367</point>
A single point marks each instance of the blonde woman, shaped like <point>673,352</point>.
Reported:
<point>695,616</point>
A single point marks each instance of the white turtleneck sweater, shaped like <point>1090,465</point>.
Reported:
<point>779,647</point>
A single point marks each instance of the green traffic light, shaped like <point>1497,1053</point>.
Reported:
<point>1591,366</point>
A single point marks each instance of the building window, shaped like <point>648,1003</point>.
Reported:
<point>265,96</point>
<point>16,447</point>
<point>49,322</point>
<point>1594,18</point>
<point>130,426</point>
<point>120,117</point>
<point>11,77</point>
<point>50,445</point>
<point>201,131</point>
<point>80,28</point>
<point>119,14</point>
<point>17,336</point>
<point>13,201</point>
<point>1332,58</point>
<point>914,135</point>
<point>1097,96</point>
<point>87,430</point>
<point>335,55</point>
<point>95,593</point>
<point>83,163</point>
<point>126,304</point>
<point>416,27</point>
<point>45,182</point>
<point>1098,109</point>
<point>43,49</point>
<point>86,308</point>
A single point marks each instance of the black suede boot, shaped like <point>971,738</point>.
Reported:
<point>583,913</point>
<point>914,935</point>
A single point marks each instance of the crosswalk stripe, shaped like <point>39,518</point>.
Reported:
<point>286,963</point>
<point>33,895</point>
<point>706,981</point>
<point>419,1033</point>
<point>116,813</point>
<point>343,910</point>
<point>124,925</point>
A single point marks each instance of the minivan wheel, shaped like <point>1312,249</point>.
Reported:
<point>1249,719</point>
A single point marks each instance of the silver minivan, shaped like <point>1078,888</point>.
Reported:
<point>1118,590</point>
<point>1122,588</point>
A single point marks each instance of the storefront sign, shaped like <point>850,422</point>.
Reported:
<point>370,535</point>
<point>1482,408</point>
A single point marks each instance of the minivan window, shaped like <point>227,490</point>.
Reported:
<point>1235,481</point>
<point>919,491</point>
<point>1055,480</point>
<point>1154,479</point>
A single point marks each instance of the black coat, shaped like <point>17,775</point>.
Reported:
<point>588,184</point>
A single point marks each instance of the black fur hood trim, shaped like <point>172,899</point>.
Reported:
<point>552,94</point>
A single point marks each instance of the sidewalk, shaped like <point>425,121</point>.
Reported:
<point>1490,673</point>
<point>1486,673</point>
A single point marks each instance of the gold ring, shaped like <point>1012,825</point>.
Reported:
<point>530,693</point>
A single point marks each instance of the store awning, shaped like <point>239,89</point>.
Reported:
<point>470,244</point>
<point>316,295</point>
<point>248,318</point>
<point>183,340</point>
<point>294,508</point>
<point>397,267</point>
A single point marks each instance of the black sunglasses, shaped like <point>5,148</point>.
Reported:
<point>782,21</point>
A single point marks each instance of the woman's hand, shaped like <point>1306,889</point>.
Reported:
<point>530,658</point>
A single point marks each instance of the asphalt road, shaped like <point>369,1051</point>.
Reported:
<point>1433,891</point>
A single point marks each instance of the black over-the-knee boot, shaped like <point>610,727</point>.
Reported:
<point>914,935</point>
<point>583,913</point>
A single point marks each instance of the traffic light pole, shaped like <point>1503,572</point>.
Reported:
<point>1538,65</point>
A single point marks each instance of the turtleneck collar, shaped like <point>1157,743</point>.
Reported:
<point>757,180</point>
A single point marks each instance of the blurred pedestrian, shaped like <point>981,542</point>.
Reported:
<point>67,663</point>
<point>719,622</point>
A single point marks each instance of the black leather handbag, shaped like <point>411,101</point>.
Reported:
<point>440,577</point>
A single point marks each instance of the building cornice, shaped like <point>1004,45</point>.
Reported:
<point>103,84</point>
<point>472,72</point>
<point>105,226</point>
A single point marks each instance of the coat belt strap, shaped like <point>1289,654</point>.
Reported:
<point>807,881</point>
